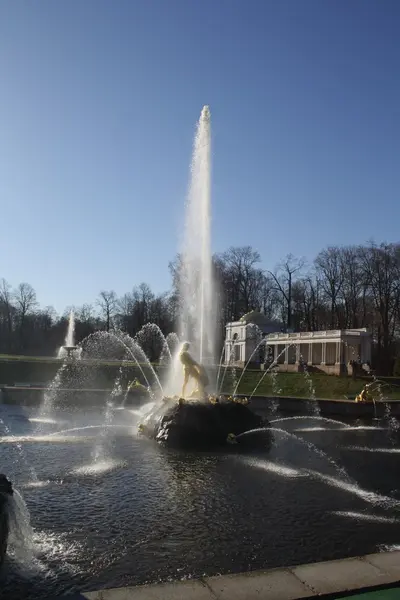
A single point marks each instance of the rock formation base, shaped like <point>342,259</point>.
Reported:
<point>196,424</point>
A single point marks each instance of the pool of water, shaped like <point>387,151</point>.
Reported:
<point>110,509</point>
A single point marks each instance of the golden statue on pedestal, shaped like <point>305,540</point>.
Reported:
<point>365,394</point>
<point>192,369</point>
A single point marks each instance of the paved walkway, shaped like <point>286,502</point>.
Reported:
<point>334,578</point>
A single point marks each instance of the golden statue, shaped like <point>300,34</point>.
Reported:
<point>192,369</point>
<point>136,385</point>
<point>364,395</point>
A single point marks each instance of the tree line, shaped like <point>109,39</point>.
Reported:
<point>343,288</point>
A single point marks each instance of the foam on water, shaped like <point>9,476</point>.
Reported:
<point>373,450</point>
<point>356,490</point>
<point>53,438</point>
<point>43,420</point>
<point>20,539</point>
<point>389,548</point>
<point>37,484</point>
<point>276,468</point>
<point>364,428</point>
<point>360,516</point>
<point>55,548</point>
<point>311,418</point>
<point>311,429</point>
<point>98,467</point>
<point>63,431</point>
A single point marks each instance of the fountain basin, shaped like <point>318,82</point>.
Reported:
<point>5,492</point>
<point>69,352</point>
<point>204,425</point>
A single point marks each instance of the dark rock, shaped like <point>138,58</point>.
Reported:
<point>201,425</point>
<point>5,492</point>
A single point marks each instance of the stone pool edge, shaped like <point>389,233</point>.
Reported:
<point>286,583</point>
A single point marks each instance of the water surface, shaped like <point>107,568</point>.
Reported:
<point>111,509</point>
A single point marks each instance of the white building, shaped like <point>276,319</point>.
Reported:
<point>330,351</point>
<point>243,336</point>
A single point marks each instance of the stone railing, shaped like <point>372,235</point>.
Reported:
<point>312,335</point>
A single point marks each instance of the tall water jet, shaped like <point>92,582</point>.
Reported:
<point>70,337</point>
<point>69,349</point>
<point>198,314</point>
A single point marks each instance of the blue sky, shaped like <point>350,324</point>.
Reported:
<point>98,106</point>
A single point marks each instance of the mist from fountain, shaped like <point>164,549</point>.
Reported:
<point>169,350</point>
<point>282,434</point>
<point>273,365</point>
<point>149,336</point>
<point>273,376</point>
<point>313,404</point>
<point>21,533</point>
<point>100,341</point>
<point>21,452</point>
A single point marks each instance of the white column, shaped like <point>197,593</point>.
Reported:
<point>310,354</point>
<point>338,353</point>
<point>323,353</point>
<point>286,354</point>
<point>297,353</point>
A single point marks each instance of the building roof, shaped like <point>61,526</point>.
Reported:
<point>256,318</point>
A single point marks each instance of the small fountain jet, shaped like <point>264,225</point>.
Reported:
<point>70,350</point>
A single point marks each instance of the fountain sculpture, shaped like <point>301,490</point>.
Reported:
<point>5,492</point>
<point>198,420</point>
<point>192,369</point>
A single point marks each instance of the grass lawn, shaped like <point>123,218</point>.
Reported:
<point>289,384</point>
<point>297,385</point>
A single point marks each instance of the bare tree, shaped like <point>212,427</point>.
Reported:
<point>353,284</point>
<point>329,266</point>
<point>85,313</point>
<point>381,267</point>
<point>282,282</point>
<point>25,301</point>
<point>243,281</point>
<point>7,310</point>
<point>108,303</point>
